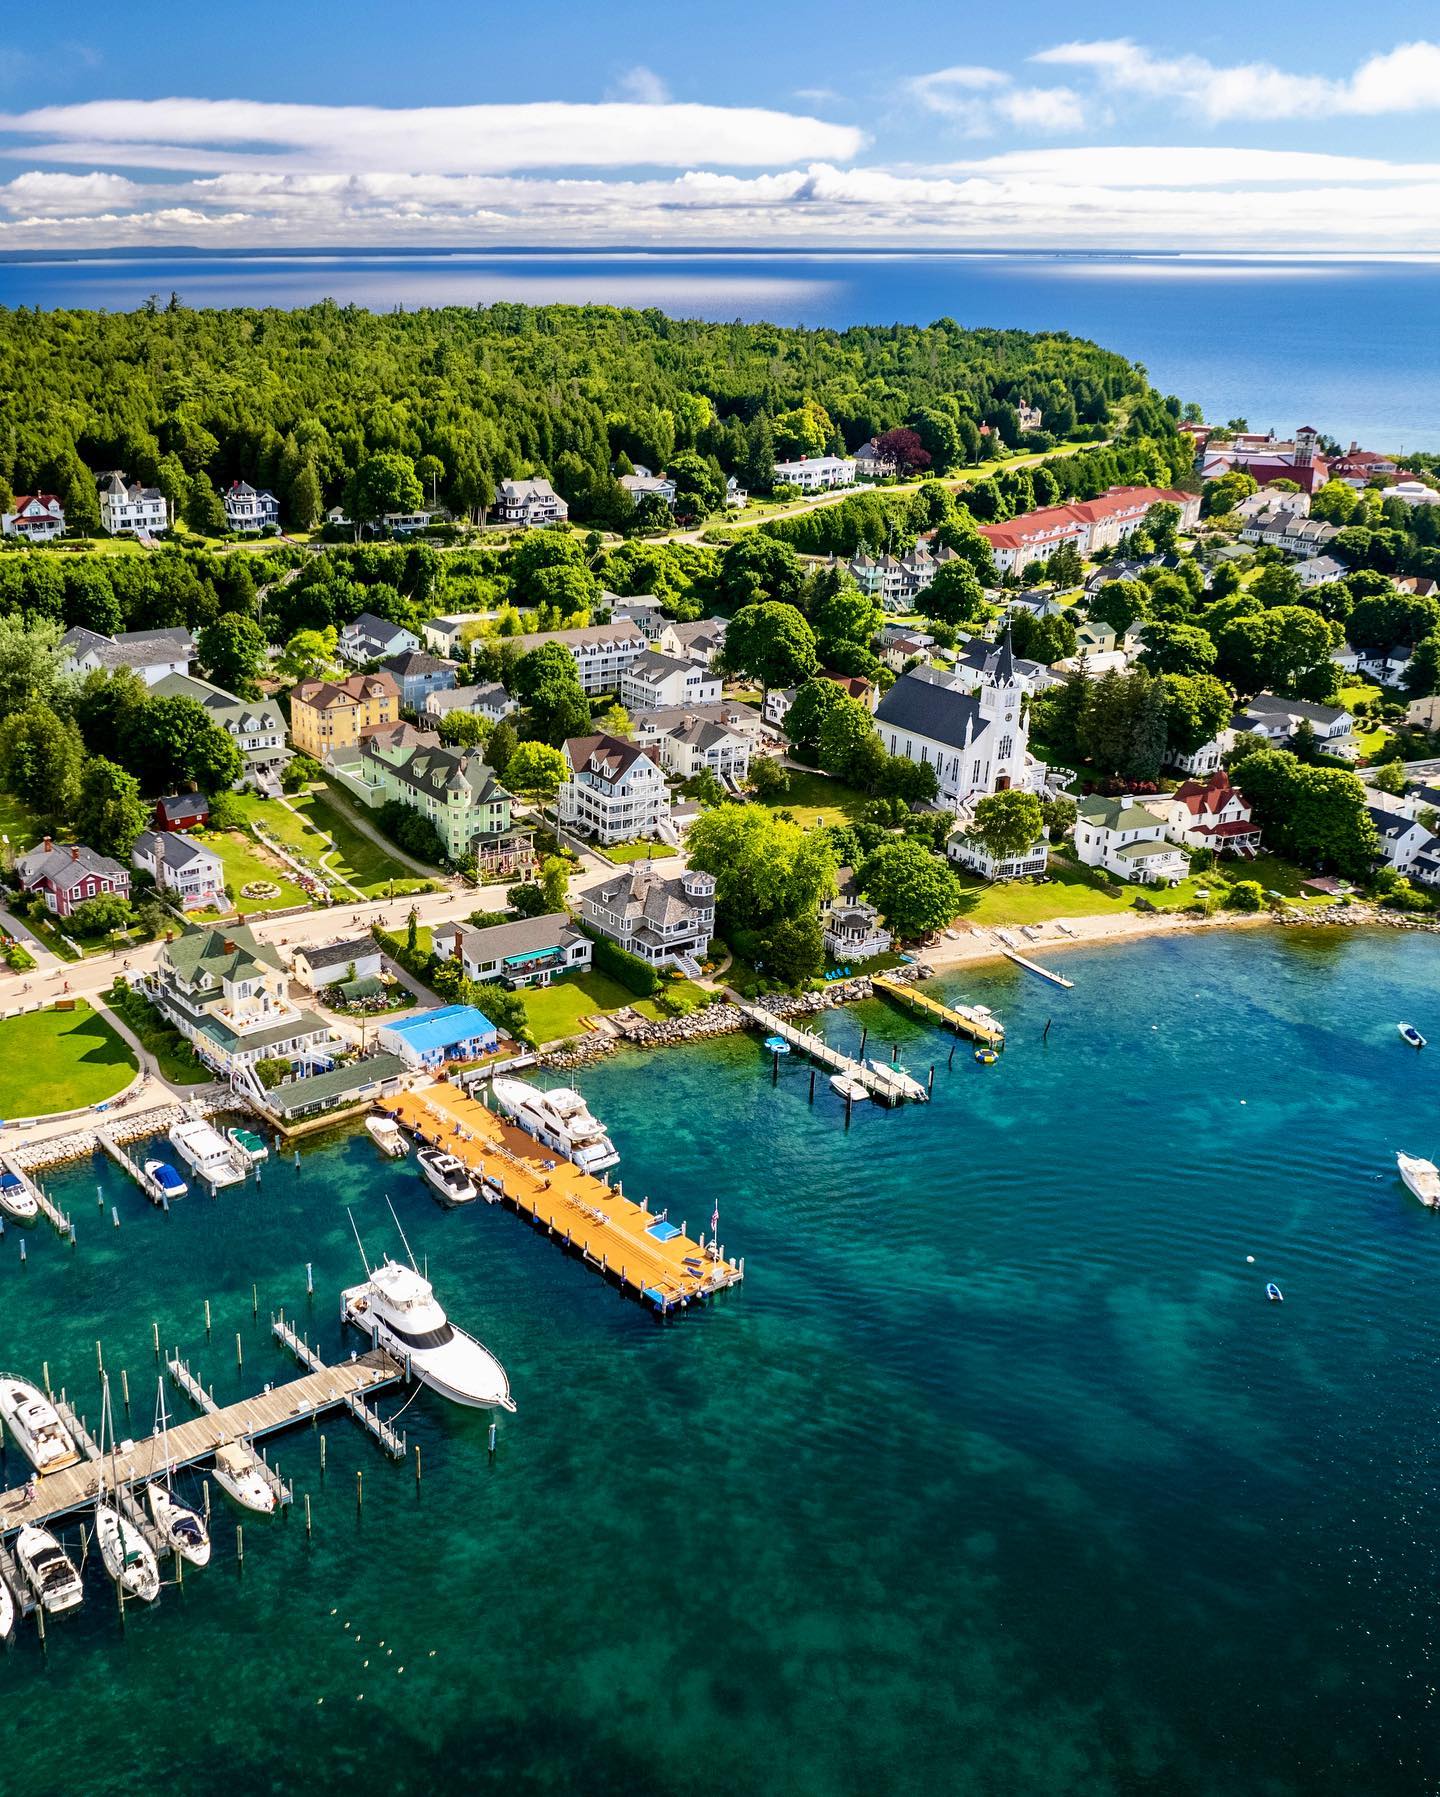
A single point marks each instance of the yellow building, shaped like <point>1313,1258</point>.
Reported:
<point>327,715</point>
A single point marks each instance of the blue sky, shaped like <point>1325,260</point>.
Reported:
<point>1102,125</point>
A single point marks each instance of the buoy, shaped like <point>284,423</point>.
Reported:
<point>1249,1260</point>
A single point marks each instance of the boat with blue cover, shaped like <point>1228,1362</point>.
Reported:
<point>167,1181</point>
<point>776,1045</point>
<point>1409,1033</point>
<point>1274,1294</point>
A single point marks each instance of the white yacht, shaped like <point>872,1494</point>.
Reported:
<point>238,1471</point>
<point>50,1570</point>
<point>32,1419</point>
<point>16,1200</point>
<point>7,1612</point>
<point>128,1556</point>
<point>447,1176</point>
<point>387,1135</point>
<point>183,1528</point>
<point>397,1308</point>
<point>206,1150</point>
<point>1422,1177</point>
<point>560,1119</point>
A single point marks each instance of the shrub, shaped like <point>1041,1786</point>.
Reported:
<point>271,1071</point>
<point>415,834</point>
<point>1246,895</point>
<point>18,958</point>
<point>300,770</point>
<point>634,975</point>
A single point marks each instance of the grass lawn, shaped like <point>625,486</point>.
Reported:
<point>59,1061</point>
<point>817,799</point>
<point>245,861</point>
<point>19,823</point>
<point>680,997</point>
<point>174,1054</point>
<point>356,859</point>
<point>555,1010</point>
<point>646,849</point>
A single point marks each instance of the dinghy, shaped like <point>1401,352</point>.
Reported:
<point>1409,1033</point>
<point>848,1087</point>
<point>1274,1294</point>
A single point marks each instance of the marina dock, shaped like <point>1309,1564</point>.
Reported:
<point>890,1085</point>
<point>148,1185</point>
<point>965,1020</point>
<point>395,1445</point>
<point>1011,953</point>
<point>48,1208</point>
<point>282,1407</point>
<point>646,1253</point>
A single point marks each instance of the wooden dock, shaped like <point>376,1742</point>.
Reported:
<point>369,1420</point>
<point>891,1085</point>
<point>1011,953</point>
<point>282,1407</point>
<point>626,1241</point>
<point>197,1394</point>
<point>965,1020</point>
<point>48,1209</point>
<point>128,1164</point>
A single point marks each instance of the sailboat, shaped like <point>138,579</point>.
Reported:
<point>127,1555</point>
<point>183,1528</point>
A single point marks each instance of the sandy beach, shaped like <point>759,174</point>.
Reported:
<point>973,942</point>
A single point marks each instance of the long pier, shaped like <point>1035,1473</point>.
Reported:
<point>889,1084</point>
<point>48,1208</point>
<point>197,1394</point>
<point>623,1240</point>
<point>149,1186</point>
<point>282,1407</point>
<point>370,1421</point>
<point>965,1020</point>
<point>1011,953</point>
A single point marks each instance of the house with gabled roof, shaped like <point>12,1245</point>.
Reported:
<point>528,951</point>
<point>34,518</point>
<point>129,509</point>
<point>256,725</point>
<point>614,790</point>
<point>667,921</point>
<point>533,503</point>
<point>418,674</point>
<point>455,789</point>
<point>1128,840</point>
<point>248,509</point>
<point>654,679</point>
<point>66,876</point>
<point>368,638</point>
<point>328,718</point>
<point>1209,814</point>
<point>183,867</point>
<point>152,654</point>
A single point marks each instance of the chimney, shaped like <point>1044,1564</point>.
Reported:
<point>229,946</point>
<point>75,853</point>
<point>47,845</point>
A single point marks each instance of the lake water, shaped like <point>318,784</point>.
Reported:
<point>998,1475</point>
<point>1343,344</point>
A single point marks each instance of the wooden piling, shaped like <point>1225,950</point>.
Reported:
<point>125,1387</point>
<point>155,1331</point>
<point>307,1508</point>
<point>417,1463</point>
<point>239,1350</point>
<point>207,1316</point>
<point>359,1489</point>
<point>240,1543</point>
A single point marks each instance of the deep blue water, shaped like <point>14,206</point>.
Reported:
<point>999,1475</point>
<point>1348,346</point>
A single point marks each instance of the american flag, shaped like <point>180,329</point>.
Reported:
<point>715,1219</point>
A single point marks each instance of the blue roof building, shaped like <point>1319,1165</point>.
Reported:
<point>453,1033</point>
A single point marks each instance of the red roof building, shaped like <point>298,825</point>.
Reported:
<point>1090,524</point>
<point>1213,814</point>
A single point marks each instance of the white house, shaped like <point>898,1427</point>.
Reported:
<point>1207,758</point>
<point>1289,530</point>
<point>531,951</point>
<point>667,922</point>
<point>446,635</point>
<point>976,742</point>
<point>601,652</point>
<point>816,473</point>
<point>153,654</point>
<point>690,741</point>
<point>368,638</point>
<point>183,866</point>
<point>1278,719</point>
<point>1208,814</point>
<point>322,964</point>
<point>980,663</point>
<point>1128,841</point>
<point>655,679</point>
<point>643,610</point>
<point>1272,499</point>
<point>1317,570</point>
<point>640,486</point>
<point>532,503</point>
<point>966,852</point>
<point>1402,839</point>
<point>247,509</point>
<point>34,518</point>
<point>128,509</point>
<point>736,496</point>
<point>490,701</point>
<point>852,930</point>
<point>874,463</point>
<point>702,639</point>
<point>614,791</point>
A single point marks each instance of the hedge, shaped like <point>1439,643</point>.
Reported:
<point>634,975</point>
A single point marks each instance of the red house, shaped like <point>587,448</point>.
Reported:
<point>1213,814</point>
<point>66,877</point>
<point>182,811</point>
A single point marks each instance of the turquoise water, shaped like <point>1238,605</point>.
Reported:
<point>998,1475</point>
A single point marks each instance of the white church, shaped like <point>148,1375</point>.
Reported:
<point>976,740</point>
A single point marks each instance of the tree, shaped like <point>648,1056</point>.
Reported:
<point>100,915</point>
<point>772,643</point>
<point>1162,524</point>
<point>847,739</point>
<point>170,741</point>
<point>768,778</point>
<point>756,568</point>
<point>699,486</point>
<point>41,758</point>
<point>307,502</point>
<point>547,684</point>
<point>501,746</point>
<point>204,508</point>
<point>1422,677</point>
<point>1277,584</point>
<point>794,949</point>
<point>536,769</point>
<point>1058,815</point>
<point>1007,823</point>
<point>954,596</point>
<point>847,622</point>
<point>383,483</point>
<point>527,899</point>
<point>1286,650</point>
<point>814,700</point>
<point>1391,618</point>
<point>1316,815</point>
<point>29,663</point>
<point>905,448</point>
<point>233,649</point>
<point>765,868</point>
<point>1120,603</point>
<point>1065,568</point>
<point>1197,708</point>
<point>913,889</point>
<point>1223,495</point>
<point>1177,649</point>
<point>109,812</point>
<point>615,721</point>
<point>555,882</point>
<point>308,654</point>
<point>463,729</point>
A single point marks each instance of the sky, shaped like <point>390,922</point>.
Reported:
<point>747,124</point>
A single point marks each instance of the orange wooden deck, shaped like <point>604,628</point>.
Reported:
<point>611,1231</point>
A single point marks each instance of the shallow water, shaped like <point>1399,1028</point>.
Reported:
<point>998,1474</point>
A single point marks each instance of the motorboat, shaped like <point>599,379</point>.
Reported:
<point>128,1556</point>
<point>248,1145</point>
<point>16,1198</point>
<point>50,1570</point>
<point>849,1088</point>
<point>1409,1033</point>
<point>34,1422</point>
<point>1422,1177</point>
<point>447,1176</point>
<point>560,1119</point>
<point>183,1528</point>
<point>202,1147</point>
<point>7,1612</point>
<point>1274,1294</point>
<point>397,1308</point>
<point>387,1136</point>
<point>238,1472</point>
<point>168,1182</point>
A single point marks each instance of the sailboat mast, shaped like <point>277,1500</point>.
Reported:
<point>358,1243</point>
<point>408,1248</point>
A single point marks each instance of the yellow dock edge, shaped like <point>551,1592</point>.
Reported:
<point>961,1022</point>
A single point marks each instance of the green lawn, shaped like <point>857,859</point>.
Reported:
<point>176,1058</point>
<point>59,1061</point>
<point>640,850</point>
<point>817,799</point>
<point>555,1010</point>
<point>356,859</point>
<point>245,861</point>
<point>676,998</point>
<point>18,823</point>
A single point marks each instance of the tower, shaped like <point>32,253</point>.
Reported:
<point>1305,440</point>
<point>1001,702</point>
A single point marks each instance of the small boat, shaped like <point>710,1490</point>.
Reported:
<point>1422,1177</point>
<point>238,1472</point>
<point>1274,1294</point>
<point>49,1569</point>
<point>183,1528</point>
<point>35,1423</point>
<point>986,1055</point>
<point>167,1180</point>
<point>447,1176</point>
<point>206,1150</point>
<point>16,1200</point>
<point>848,1087</point>
<point>776,1045</point>
<point>127,1554</point>
<point>560,1119</point>
<point>387,1136</point>
<point>1409,1033</point>
<point>247,1145</point>
<point>7,1612</point>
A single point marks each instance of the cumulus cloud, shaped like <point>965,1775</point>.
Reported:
<point>979,100</point>
<point>1406,79</point>
<point>641,85</point>
<point>224,134</point>
<point>44,193</point>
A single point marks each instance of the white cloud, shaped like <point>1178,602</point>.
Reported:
<point>640,85</point>
<point>979,99</point>
<point>47,193</point>
<point>1406,79</point>
<point>224,134</point>
<point>1175,165</point>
